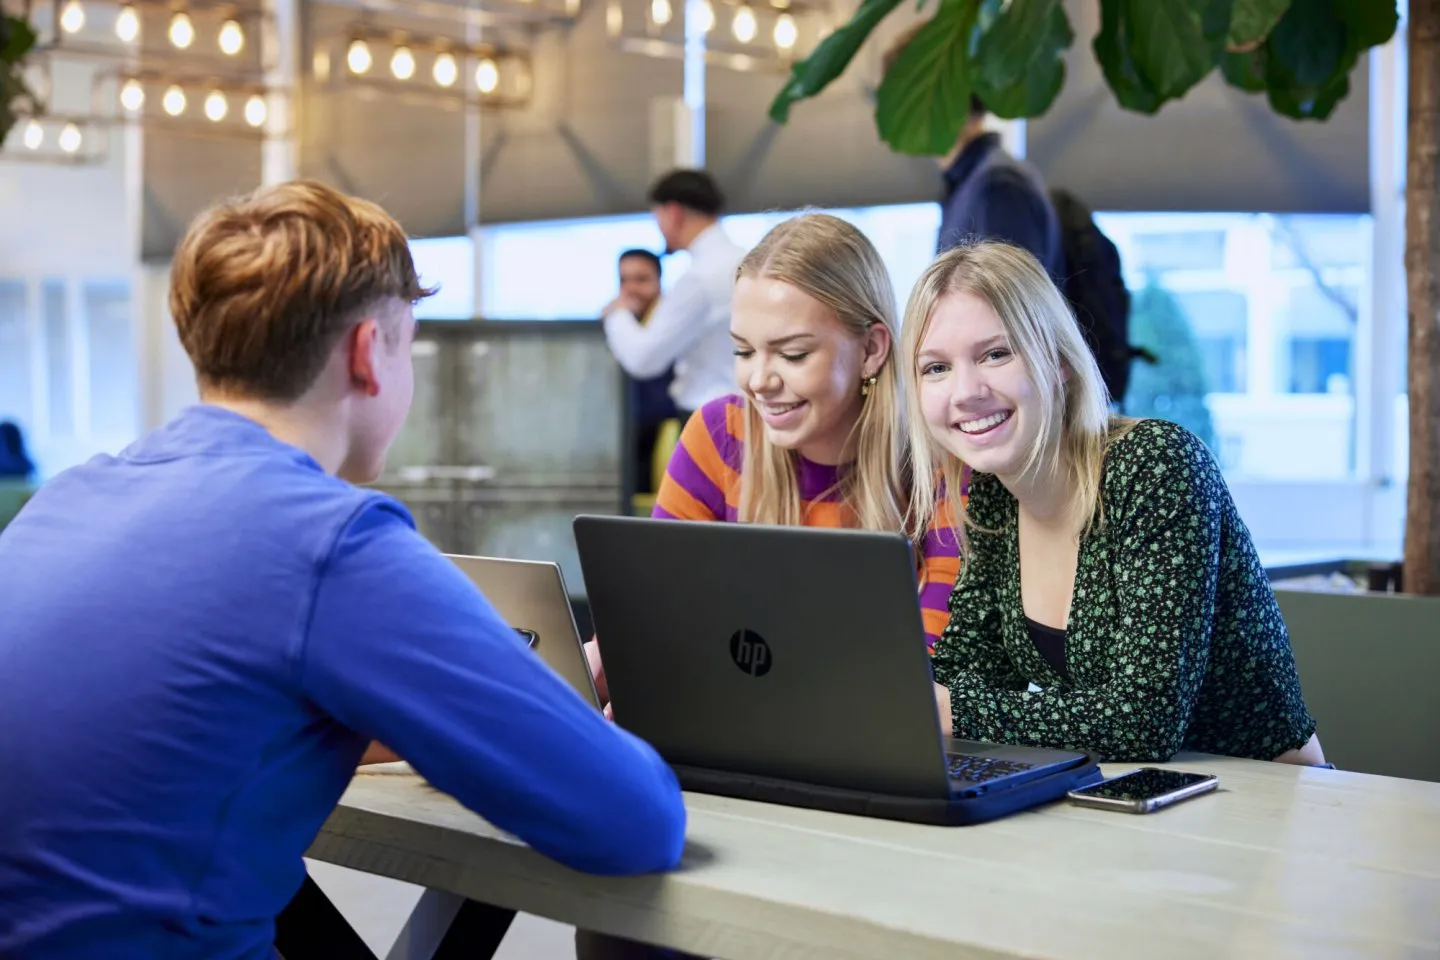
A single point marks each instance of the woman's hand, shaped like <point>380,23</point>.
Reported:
<point>597,671</point>
<point>377,752</point>
<point>942,706</point>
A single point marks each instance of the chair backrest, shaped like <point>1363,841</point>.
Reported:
<point>666,439</point>
<point>1369,665</point>
<point>13,496</point>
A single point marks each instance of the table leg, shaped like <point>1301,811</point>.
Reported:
<point>475,933</point>
<point>311,927</point>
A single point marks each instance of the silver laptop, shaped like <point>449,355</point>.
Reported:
<point>748,653</point>
<point>531,596</point>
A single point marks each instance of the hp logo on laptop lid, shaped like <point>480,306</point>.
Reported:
<point>750,652</point>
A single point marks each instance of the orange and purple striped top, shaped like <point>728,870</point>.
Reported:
<point>702,482</point>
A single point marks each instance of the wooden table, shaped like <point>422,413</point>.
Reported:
<point>1281,862</point>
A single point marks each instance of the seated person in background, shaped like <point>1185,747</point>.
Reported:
<point>15,463</point>
<point>650,401</point>
<point>815,437</point>
<point>1102,557</point>
<point>201,635</point>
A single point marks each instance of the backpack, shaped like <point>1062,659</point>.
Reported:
<point>1096,290</point>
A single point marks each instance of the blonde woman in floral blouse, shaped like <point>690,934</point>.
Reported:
<point>1103,558</point>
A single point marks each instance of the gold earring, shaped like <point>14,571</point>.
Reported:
<point>866,385</point>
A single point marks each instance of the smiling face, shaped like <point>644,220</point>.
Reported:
<point>977,397</point>
<point>802,367</point>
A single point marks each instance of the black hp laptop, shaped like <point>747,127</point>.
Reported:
<point>788,664</point>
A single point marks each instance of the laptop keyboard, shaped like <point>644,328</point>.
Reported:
<point>980,769</point>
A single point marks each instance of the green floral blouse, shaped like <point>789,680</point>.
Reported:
<point>1174,641</point>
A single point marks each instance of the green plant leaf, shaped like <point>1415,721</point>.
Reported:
<point>924,99</point>
<point>1112,49</point>
<point>1307,103</point>
<point>1032,92</point>
<point>1252,20</point>
<point>1307,47</point>
<point>828,60</point>
<point>1170,44</point>
<point>1315,46</point>
<point>1014,40</point>
<point>1245,70</point>
<point>1370,22</point>
<point>18,37</point>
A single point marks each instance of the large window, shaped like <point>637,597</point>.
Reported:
<point>1255,320</point>
<point>567,269</point>
<point>1254,316</point>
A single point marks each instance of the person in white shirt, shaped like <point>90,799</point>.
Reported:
<point>690,326</point>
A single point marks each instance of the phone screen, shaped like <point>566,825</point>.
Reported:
<point>1143,785</point>
<point>530,636</point>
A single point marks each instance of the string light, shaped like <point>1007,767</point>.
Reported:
<point>744,25</point>
<point>132,96</point>
<point>358,57</point>
<point>402,63</point>
<point>182,31</point>
<point>445,71</point>
<point>72,17</point>
<point>487,76</point>
<point>70,138</point>
<point>786,32</point>
<point>34,135</point>
<point>232,38</point>
<point>127,25</point>
<point>707,16</point>
<point>256,111</point>
<point>660,12</point>
<point>173,101</point>
<point>216,106</point>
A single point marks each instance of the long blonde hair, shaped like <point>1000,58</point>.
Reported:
<point>836,264</point>
<point>1075,421</point>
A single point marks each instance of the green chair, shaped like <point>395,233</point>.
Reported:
<point>1369,664</point>
<point>13,495</point>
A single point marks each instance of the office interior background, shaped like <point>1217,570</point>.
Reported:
<point>1270,249</point>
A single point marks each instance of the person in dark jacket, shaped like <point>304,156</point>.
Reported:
<point>988,194</point>
<point>15,463</point>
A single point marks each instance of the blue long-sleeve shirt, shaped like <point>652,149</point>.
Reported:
<point>199,637</point>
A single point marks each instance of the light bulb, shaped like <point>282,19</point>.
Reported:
<point>232,38</point>
<point>70,138</point>
<point>216,106</point>
<point>487,76</point>
<point>256,111</point>
<point>445,72</point>
<point>127,25</point>
<point>744,25</point>
<point>182,31</point>
<point>402,63</point>
<point>660,12</point>
<point>358,56</point>
<point>132,96</point>
<point>34,135</point>
<point>786,32</point>
<point>707,16</point>
<point>614,19</point>
<point>72,17</point>
<point>173,101</point>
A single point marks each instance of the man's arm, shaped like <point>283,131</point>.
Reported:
<point>404,650</point>
<point>675,325</point>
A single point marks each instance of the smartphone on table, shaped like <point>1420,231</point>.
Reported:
<point>1144,791</point>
